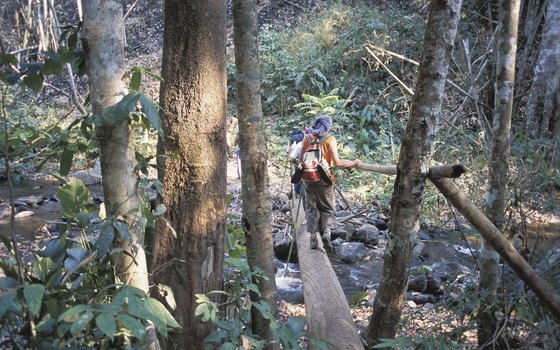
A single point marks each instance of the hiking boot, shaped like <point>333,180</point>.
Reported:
<point>313,241</point>
<point>327,238</point>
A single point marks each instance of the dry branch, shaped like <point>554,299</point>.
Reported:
<point>370,48</point>
<point>409,90</point>
<point>435,172</point>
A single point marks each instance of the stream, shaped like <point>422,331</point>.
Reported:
<point>43,207</point>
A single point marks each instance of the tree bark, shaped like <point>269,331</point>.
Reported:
<point>542,115</point>
<point>252,143</point>
<point>327,313</point>
<point>103,33</point>
<point>412,168</point>
<point>495,238</point>
<point>192,161</point>
<point>498,166</point>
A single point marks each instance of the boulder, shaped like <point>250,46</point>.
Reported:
<point>434,285</point>
<point>88,176</point>
<point>420,299</point>
<point>281,244</point>
<point>351,252</point>
<point>366,233</point>
<point>25,213</point>
<point>418,284</point>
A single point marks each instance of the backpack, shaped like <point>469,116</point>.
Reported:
<point>311,162</point>
<point>296,136</point>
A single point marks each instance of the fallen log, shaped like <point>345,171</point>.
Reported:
<point>491,233</point>
<point>327,312</point>
<point>439,171</point>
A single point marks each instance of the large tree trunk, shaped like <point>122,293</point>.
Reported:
<point>542,115</point>
<point>252,143</point>
<point>412,167</point>
<point>498,167</point>
<point>103,34</point>
<point>193,173</point>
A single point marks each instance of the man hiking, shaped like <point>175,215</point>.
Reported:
<point>318,157</point>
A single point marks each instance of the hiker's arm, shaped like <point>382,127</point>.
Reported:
<point>341,163</point>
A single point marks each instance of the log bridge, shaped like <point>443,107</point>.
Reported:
<point>327,312</point>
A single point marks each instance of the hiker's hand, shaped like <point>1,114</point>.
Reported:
<point>356,163</point>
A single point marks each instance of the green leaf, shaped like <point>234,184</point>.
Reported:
<point>73,313</point>
<point>201,309</point>
<point>106,323</point>
<point>151,111</point>
<point>62,329</point>
<point>133,325</point>
<point>386,343</point>
<point>153,310</point>
<point>75,255</point>
<point>159,310</point>
<point>228,346</point>
<point>216,337</point>
<point>135,79</point>
<point>9,302</point>
<point>264,309</point>
<point>33,81</point>
<point>52,66</point>
<point>253,287</point>
<point>66,161</point>
<point>119,112</point>
<point>33,295</point>
<point>159,210</point>
<point>8,283</point>
<point>74,196</point>
<point>8,58</point>
<point>108,308</point>
<point>81,323</point>
<point>65,54</point>
<point>105,239</point>
<point>122,228</point>
<point>46,325</point>
<point>167,293</point>
<point>43,267</point>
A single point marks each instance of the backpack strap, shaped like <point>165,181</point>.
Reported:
<point>318,140</point>
<point>309,140</point>
<point>323,139</point>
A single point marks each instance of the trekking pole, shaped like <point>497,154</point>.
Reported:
<point>293,236</point>
<point>342,197</point>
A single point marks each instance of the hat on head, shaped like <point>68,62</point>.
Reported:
<point>320,125</point>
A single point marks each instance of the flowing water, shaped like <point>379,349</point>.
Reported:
<point>35,219</point>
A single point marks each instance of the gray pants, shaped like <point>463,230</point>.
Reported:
<point>319,207</point>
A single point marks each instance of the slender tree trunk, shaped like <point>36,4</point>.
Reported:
<point>542,115</point>
<point>412,168</point>
<point>103,34</point>
<point>498,167</point>
<point>193,166</point>
<point>252,143</point>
